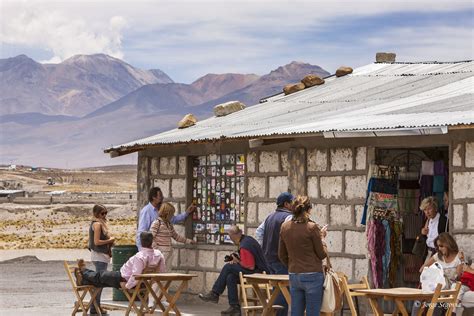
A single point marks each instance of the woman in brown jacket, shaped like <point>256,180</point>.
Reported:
<point>302,250</point>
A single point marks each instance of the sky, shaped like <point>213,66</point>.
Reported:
<point>188,39</point>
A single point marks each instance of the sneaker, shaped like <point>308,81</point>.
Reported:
<point>233,310</point>
<point>78,275</point>
<point>209,297</point>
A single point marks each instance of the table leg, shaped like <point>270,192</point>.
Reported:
<point>375,306</point>
<point>157,300</point>
<point>261,297</point>
<point>269,308</point>
<point>172,299</point>
<point>286,293</point>
<point>401,307</point>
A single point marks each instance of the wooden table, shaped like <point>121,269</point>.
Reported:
<point>279,282</point>
<point>399,295</point>
<point>164,281</point>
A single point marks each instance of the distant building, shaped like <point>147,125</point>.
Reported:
<point>12,193</point>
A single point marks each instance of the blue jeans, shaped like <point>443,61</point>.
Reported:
<point>229,277</point>
<point>99,267</point>
<point>306,293</point>
<point>279,268</point>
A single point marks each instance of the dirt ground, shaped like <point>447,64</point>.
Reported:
<point>29,286</point>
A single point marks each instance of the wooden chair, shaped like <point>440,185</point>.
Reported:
<point>349,293</point>
<point>446,297</point>
<point>245,298</point>
<point>142,296</point>
<point>81,291</point>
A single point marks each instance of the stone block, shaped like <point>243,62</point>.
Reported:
<point>334,241</point>
<point>356,187</point>
<point>178,188</point>
<point>277,185</point>
<point>292,88</point>
<point>168,165</point>
<point>206,258</point>
<point>463,185</point>
<point>181,230</point>
<point>187,121</point>
<point>465,243</point>
<point>356,242</point>
<point>317,160</point>
<point>341,159</point>
<point>469,155</point>
<point>164,185</point>
<point>383,57</point>
<point>331,187</point>
<point>470,216</point>
<point>251,213</point>
<point>228,108</point>
<point>361,158</point>
<point>187,257</point>
<point>313,189</point>
<point>457,160</point>
<point>343,71</point>
<point>196,285</point>
<point>340,214</point>
<point>256,187</point>
<point>175,259</point>
<point>251,231</point>
<point>359,211</point>
<point>264,209</point>
<point>210,278</point>
<point>220,258</point>
<point>154,166</point>
<point>361,269</point>
<point>458,216</point>
<point>268,162</point>
<point>182,165</point>
<point>319,214</point>
<point>251,162</point>
<point>284,161</point>
<point>312,80</point>
<point>343,265</point>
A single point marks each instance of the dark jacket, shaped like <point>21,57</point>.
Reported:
<point>92,246</point>
<point>271,234</point>
<point>443,224</point>
<point>250,244</point>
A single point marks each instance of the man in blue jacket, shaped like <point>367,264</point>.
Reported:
<point>271,240</point>
<point>149,213</point>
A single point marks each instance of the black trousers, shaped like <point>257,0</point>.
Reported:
<point>102,278</point>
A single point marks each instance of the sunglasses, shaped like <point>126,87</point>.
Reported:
<point>103,213</point>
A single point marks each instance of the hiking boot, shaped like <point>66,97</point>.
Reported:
<point>209,297</point>
<point>233,310</point>
<point>78,275</point>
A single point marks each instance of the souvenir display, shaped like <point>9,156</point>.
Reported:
<point>218,191</point>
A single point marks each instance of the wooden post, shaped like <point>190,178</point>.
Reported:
<point>297,170</point>
<point>143,181</point>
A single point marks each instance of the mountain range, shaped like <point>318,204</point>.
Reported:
<point>63,115</point>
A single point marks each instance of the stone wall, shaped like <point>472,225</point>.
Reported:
<point>336,184</point>
<point>462,195</point>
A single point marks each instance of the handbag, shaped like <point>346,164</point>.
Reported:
<point>332,292</point>
<point>420,248</point>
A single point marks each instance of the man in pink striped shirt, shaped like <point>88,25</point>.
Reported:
<point>146,257</point>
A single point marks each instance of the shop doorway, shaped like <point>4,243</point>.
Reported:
<point>399,180</point>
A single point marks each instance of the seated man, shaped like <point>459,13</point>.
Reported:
<point>251,261</point>
<point>146,257</point>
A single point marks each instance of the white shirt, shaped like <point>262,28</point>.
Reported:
<point>432,231</point>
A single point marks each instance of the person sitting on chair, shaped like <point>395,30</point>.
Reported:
<point>146,257</point>
<point>250,259</point>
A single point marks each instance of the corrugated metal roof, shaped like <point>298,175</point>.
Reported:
<point>375,96</point>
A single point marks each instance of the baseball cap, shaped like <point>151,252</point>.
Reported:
<point>284,197</point>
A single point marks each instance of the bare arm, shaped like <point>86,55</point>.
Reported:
<point>428,263</point>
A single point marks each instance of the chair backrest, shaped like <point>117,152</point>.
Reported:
<point>70,271</point>
<point>349,290</point>
<point>448,297</point>
<point>152,269</point>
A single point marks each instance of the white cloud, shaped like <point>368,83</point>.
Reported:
<point>61,33</point>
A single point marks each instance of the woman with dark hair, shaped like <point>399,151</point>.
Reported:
<point>100,244</point>
<point>302,250</point>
